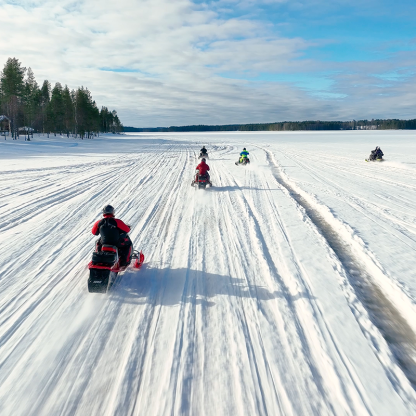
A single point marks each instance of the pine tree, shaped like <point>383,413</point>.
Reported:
<point>104,119</point>
<point>93,118</point>
<point>82,102</point>
<point>68,110</point>
<point>44,98</point>
<point>12,88</point>
<point>116,125</point>
<point>56,111</point>
<point>31,99</point>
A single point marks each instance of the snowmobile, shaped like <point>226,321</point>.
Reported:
<point>375,155</point>
<point>244,161</point>
<point>201,155</point>
<point>202,182</point>
<point>105,267</point>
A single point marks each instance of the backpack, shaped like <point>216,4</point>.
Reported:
<point>109,232</point>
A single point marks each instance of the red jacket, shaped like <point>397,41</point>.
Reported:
<point>120,225</point>
<point>203,168</point>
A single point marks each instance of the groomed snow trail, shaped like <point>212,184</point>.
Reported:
<point>242,306</point>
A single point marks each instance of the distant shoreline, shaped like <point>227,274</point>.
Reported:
<point>386,124</point>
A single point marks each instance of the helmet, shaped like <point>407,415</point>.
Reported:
<point>203,147</point>
<point>244,149</point>
<point>108,209</point>
<point>203,159</point>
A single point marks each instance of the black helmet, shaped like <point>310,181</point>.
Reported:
<point>244,149</point>
<point>203,147</point>
<point>108,209</point>
<point>203,159</point>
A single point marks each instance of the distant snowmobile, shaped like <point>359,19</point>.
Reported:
<point>375,155</point>
<point>203,153</point>
<point>243,159</point>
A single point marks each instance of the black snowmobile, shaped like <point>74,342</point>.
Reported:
<point>203,153</point>
<point>375,155</point>
<point>112,255</point>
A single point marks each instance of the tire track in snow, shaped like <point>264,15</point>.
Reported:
<point>105,187</point>
<point>385,316</point>
<point>301,323</point>
<point>119,360</point>
<point>252,247</point>
<point>138,349</point>
<point>159,227</point>
<point>269,223</point>
<point>370,209</point>
<point>359,173</point>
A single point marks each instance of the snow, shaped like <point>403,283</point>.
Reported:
<point>287,289</point>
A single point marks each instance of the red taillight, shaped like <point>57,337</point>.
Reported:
<point>107,248</point>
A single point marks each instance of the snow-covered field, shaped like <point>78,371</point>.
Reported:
<point>287,289</point>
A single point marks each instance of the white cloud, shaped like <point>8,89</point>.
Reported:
<point>179,51</point>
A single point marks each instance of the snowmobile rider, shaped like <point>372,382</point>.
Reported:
<point>379,153</point>
<point>203,152</point>
<point>243,155</point>
<point>376,154</point>
<point>113,232</point>
<point>203,169</point>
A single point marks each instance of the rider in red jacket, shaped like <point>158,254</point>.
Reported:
<point>113,232</point>
<point>203,169</point>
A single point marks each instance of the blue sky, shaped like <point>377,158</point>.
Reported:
<point>340,31</point>
<point>162,63</point>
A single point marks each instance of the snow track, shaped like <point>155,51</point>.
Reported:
<point>395,329</point>
<point>246,305</point>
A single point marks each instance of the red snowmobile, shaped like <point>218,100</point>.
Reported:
<point>201,182</point>
<point>202,178</point>
<point>105,267</point>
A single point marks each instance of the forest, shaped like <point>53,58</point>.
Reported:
<point>43,109</point>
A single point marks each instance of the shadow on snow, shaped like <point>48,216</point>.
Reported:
<point>169,287</point>
<point>240,188</point>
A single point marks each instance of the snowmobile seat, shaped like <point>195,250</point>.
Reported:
<point>105,257</point>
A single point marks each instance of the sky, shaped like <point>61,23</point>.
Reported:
<point>182,62</point>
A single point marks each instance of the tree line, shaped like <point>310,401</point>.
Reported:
<point>378,124</point>
<point>57,110</point>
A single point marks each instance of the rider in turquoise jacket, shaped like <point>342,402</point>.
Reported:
<point>243,154</point>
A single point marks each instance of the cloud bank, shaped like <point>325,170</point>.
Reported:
<point>162,63</point>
